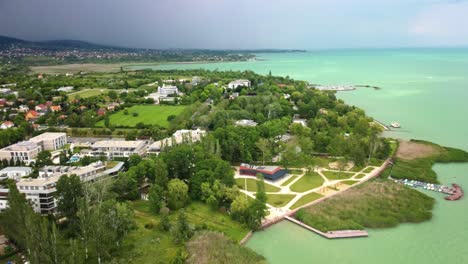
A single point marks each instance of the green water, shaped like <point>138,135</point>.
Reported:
<point>426,91</point>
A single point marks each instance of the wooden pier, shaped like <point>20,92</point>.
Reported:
<point>330,234</point>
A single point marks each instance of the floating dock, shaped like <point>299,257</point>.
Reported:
<point>330,234</point>
<point>455,192</point>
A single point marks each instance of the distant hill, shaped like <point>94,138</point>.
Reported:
<point>7,40</point>
<point>66,44</point>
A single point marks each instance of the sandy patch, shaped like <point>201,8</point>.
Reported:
<point>336,165</point>
<point>412,150</point>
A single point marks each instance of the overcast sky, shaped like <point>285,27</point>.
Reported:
<point>240,24</point>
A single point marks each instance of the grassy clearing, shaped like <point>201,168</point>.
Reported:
<point>336,175</point>
<point>145,245</point>
<point>87,93</point>
<point>288,181</point>
<point>211,247</point>
<point>295,171</point>
<point>307,182</point>
<point>279,200</point>
<point>421,168</point>
<point>350,182</point>
<point>252,185</point>
<point>368,170</point>
<point>306,199</point>
<point>374,204</point>
<point>147,114</point>
<point>360,176</point>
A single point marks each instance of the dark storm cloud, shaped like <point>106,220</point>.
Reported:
<point>220,23</point>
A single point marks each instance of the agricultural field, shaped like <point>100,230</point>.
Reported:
<point>146,114</point>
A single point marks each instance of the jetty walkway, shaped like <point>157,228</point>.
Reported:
<point>330,234</point>
<point>455,192</point>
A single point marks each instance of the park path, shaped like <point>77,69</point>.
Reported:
<point>328,188</point>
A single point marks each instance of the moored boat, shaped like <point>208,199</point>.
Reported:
<point>395,124</point>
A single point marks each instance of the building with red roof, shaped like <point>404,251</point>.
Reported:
<point>269,172</point>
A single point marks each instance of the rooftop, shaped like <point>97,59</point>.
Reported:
<point>118,144</point>
<point>14,169</point>
<point>47,136</point>
<point>22,146</point>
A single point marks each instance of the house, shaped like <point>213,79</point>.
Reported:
<point>269,172</point>
<point>2,102</point>
<point>23,109</point>
<point>65,89</point>
<point>169,81</point>
<point>112,106</point>
<point>302,122</point>
<point>42,108</point>
<point>246,122</point>
<point>55,108</point>
<point>31,115</point>
<point>7,124</point>
<point>40,76</point>
<point>239,83</point>
<point>101,112</point>
<point>323,111</point>
<point>15,173</point>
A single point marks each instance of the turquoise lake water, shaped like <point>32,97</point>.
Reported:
<point>426,91</point>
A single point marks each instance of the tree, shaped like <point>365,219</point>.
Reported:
<point>43,159</point>
<point>165,223</point>
<point>69,191</point>
<point>156,198</point>
<point>257,209</point>
<point>181,231</point>
<point>160,173</point>
<point>264,146</point>
<point>177,195</point>
<point>126,187</point>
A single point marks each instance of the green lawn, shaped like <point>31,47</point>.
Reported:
<point>368,169</point>
<point>335,175</point>
<point>360,176</point>
<point>307,182</point>
<point>292,178</point>
<point>147,114</point>
<point>279,200</point>
<point>252,185</point>
<point>295,171</point>
<point>145,245</point>
<point>306,199</point>
<point>87,93</point>
<point>350,182</point>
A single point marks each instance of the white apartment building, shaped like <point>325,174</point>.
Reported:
<point>167,90</point>
<point>40,192</point>
<point>239,83</point>
<point>50,140</point>
<point>116,148</point>
<point>25,151</point>
<point>179,137</point>
<point>15,173</point>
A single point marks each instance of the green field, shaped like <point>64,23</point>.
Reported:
<point>360,176</point>
<point>252,185</point>
<point>147,114</point>
<point>288,181</point>
<point>350,182</point>
<point>151,245</point>
<point>335,175</point>
<point>306,199</point>
<point>368,169</point>
<point>309,181</point>
<point>87,93</point>
<point>279,200</point>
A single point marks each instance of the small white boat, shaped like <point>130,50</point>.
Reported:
<point>395,124</point>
